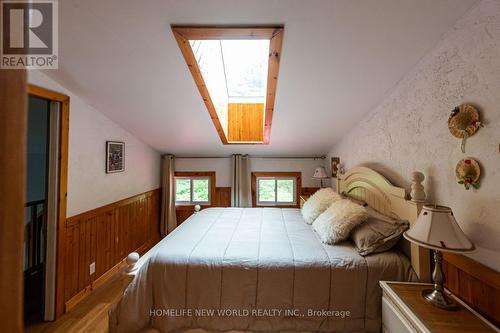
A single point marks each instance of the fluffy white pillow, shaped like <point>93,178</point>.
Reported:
<point>318,203</point>
<point>335,223</point>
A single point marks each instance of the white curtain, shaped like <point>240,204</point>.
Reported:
<point>168,220</point>
<point>240,190</point>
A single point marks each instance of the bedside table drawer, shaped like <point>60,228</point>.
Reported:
<point>392,320</point>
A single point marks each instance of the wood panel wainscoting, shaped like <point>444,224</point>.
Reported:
<point>105,236</point>
<point>475,284</point>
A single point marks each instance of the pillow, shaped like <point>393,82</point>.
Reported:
<point>318,203</point>
<point>335,223</point>
<point>378,234</point>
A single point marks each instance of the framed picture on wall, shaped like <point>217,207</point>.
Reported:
<point>115,156</point>
<point>335,166</point>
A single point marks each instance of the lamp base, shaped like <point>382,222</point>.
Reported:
<point>439,299</point>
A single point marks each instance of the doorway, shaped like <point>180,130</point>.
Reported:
<point>36,207</point>
<point>45,207</point>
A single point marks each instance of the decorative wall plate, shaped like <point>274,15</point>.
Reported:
<point>468,172</point>
<point>464,122</point>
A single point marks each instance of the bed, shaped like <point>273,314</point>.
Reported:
<point>264,269</point>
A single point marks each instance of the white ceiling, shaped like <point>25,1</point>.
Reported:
<point>339,59</point>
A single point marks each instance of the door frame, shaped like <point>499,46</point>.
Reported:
<point>51,95</point>
<point>13,138</point>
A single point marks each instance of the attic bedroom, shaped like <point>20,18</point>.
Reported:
<point>250,166</point>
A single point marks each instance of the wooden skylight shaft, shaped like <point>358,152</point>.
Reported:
<point>274,33</point>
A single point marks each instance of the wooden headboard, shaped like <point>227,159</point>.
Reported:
<point>371,187</point>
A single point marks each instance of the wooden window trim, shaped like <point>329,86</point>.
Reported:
<point>298,187</point>
<point>63,187</point>
<point>209,174</point>
<point>183,33</point>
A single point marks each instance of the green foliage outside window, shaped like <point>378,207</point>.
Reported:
<point>276,190</point>
<point>285,190</point>
<point>201,188</point>
<point>267,190</point>
<point>183,189</point>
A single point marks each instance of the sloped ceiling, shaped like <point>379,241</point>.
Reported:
<point>339,59</point>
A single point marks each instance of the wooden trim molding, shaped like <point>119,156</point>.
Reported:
<point>12,187</point>
<point>474,283</point>
<point>298,187</point>
<point>63,184</point>
<point>184,33</point>
<point>200,32</point>
<point>272,82</point>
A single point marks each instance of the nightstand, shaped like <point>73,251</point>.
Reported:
<point>405,310</point>
<point>303,199</point>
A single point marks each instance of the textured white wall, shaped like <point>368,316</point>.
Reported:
<point>222,167</point>
<point>89,186</point>
<point>408,130</point>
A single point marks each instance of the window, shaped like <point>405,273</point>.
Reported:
<point>194,188</point>
<point>275,188</point>
<point>239,71</point>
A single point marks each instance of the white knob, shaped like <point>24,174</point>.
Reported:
<point>131,260</point>
<point>197,208</point>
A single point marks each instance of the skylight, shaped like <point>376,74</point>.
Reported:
<point>245,62</point>
<point>236,71</point>
<point>238,67</point>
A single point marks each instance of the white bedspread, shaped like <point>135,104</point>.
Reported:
<point>256,269</point>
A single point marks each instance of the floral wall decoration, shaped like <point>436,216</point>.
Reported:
<point>464,122</point>
<point>468,172</point>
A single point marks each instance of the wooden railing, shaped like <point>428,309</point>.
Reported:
<point>34,234</point>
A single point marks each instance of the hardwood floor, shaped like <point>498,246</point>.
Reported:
<point>91,315</point>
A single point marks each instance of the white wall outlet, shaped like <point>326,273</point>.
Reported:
<point>92,268</point>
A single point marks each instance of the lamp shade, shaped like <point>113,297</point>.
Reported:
<point>436,228</point>
<point>320,173</point>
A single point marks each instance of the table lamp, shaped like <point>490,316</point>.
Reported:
<point>320,173</point>
<point>437,229</point>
